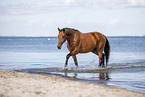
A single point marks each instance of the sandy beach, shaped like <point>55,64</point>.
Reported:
<point>17,84</point>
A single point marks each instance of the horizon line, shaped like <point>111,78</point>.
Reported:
<point>56,36</point>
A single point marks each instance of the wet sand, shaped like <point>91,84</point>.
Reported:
<point>16,84</point>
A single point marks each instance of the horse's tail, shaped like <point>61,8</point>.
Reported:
<point>107,51</point>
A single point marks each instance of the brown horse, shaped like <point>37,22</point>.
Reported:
<point>78,42</point>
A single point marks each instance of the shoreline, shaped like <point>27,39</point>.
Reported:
<point>17,84</point>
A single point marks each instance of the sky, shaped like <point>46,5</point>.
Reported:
<point>43,17</point>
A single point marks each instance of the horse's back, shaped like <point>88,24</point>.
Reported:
<point>91,40</point>
<point>95,36</point>
<point>100,39</point>
<point>88,41</point>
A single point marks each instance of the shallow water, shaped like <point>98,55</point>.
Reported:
<point>39,55</point>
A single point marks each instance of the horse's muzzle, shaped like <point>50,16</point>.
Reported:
<point>59,47</point>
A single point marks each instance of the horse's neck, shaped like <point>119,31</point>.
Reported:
<point>70,40</point>
<point>73,37</point>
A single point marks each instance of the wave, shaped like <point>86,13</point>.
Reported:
<point>120,68</point>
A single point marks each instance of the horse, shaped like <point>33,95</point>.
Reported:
<point>78,42</point>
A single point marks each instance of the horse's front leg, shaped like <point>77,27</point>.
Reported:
<point>73,54</point>
<point>75,60</point>
<point>66,62</point>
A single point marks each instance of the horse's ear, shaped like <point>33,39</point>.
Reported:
<point>59,30</point>
<point>63,30</point>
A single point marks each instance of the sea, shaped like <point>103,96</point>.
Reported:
<point>39,55</point>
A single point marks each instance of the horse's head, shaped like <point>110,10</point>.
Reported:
<point>61,38</point>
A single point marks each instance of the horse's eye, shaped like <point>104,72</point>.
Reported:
<point>62,36</point>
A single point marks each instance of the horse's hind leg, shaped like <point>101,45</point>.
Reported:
<point>101,57</point>
<point>102,60</point>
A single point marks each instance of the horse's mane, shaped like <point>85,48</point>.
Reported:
<point>70,29</point>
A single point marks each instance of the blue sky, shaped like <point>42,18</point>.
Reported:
<point>43,17</point>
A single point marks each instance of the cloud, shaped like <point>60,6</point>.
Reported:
<point>31,22</point>
<point>114,21</point>
<point>136,2</point>
<point>39,7</point>
<point>68,2</point>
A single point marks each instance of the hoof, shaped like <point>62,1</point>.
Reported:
<point>101,67</point>
<point>76,69</point>
<point>65,68</point>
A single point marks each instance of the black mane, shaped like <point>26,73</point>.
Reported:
<point>70,29</point>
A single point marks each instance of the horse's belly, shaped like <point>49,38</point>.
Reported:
<point>86,47</point>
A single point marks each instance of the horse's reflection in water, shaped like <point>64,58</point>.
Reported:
<point>75,73</point>
<point>104,76</point>
<point>101,76</point>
